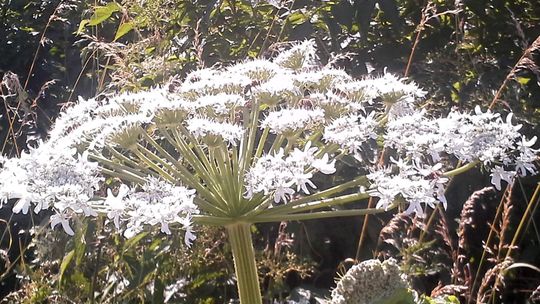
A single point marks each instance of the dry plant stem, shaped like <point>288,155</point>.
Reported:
<point>406,73</point>
<point>531,218</point>
<point>11,122</point>
<point>511,73</point>
<point>450,174</point>
<point>424,19</point>
<point>487,244</point>
<point>41,41</point>
<point>533,203</point>
<point>366,218</point>
<point>416,39</point>
<point>86,62</point>
<point>499,208</point>
<point>503,225</point>
<point>285,23</point>
<point>526,216</point>
<point>267,36</point>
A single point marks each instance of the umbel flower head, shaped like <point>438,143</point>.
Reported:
<point>248,142</point>
<point>372,282</point>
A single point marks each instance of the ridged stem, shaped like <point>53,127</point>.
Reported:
<point>244,263</point>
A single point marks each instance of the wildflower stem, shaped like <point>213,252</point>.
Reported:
<point>210,219</point>
<point>315,137</point>
<point>128,161</point>
<point>286,209</point>
<point>196,155</point>
<point>116,167</point>
<point>244,263</point>
<point>461,169</point>
<point>128,176</point>
<point>208,174</point>
<point>225,178</point>
<point>277,143</point>
<point>317,215</point>
<point>153,165</point>
<point>247,144</point>
<point>262,141</point>
<point>321,194</point>
<point>187,177</point>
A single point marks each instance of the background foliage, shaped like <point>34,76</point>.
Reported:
<point>464,53</point>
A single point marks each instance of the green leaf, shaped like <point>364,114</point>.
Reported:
<point>82,25</point>
<point>297,18</point>
<point>523,80</point>
<point>123,29</point>
<point>102,13</point>
<point>159,288</point>
<point>79,245</point>
<point>134,240</point>
<point>65,263</point>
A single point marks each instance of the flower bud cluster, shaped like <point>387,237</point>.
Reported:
<point>369,282</point>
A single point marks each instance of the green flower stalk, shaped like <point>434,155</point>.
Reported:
<point>247,144</point>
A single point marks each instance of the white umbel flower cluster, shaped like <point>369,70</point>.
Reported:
<point>280,174</point>
<point>158,202</point>
<point>248,135</point>
<point>352,132</point>
<point>370,282</point>
<point>215,132</point>
<point>416,183</point>
<point>288,121</point>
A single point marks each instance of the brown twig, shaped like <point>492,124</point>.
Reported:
<point>426,17</point>
<point>526,53</point>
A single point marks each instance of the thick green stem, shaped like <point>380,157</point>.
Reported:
<point>244,263</point>
<point>317,215</point>
<point>461,169</point>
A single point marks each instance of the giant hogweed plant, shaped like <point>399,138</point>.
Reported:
<point>247,143</point>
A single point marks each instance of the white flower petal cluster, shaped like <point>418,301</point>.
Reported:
<point>351,132</point>
<point>210,82</point>
<point>221,103</point>
<point>482,136</point>
<point>61,180</point>
<point>370,282</point>
<point>416,184</point>
<point>207,133</point>
<point>479,136</point>
<point>257,70</point>
<point>209,129</point>
<point>300,56</point>
<point>292,120</point>
<point>389,88</point>
<point>279,175</point>
<point>320,80</point>
<point>276,90</point>
<point>157,203</point>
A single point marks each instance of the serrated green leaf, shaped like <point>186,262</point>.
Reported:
<point>123,29</point>
<point>102,13</point>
